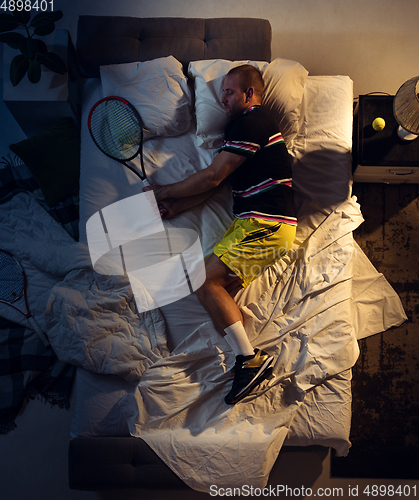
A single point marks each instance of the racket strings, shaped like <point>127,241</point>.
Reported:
<point>11,278</point>
<point>116,129</point>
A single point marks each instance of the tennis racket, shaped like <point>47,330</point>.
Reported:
<point>13,287</point>
<point>117,130</point>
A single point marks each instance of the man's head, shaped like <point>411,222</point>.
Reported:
<point>243,87</point>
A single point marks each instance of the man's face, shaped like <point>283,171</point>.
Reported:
<point>234,98</point>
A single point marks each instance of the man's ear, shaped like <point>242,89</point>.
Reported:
<point>249,93</point>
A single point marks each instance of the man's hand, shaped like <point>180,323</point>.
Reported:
<point>169,208</point>
<point>174,206</point>
<point>160,192</point>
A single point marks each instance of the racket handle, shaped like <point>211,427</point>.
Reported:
<point>145,181</point>
<point>38,330</point>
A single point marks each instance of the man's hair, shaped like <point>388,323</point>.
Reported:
<point>249,76</point>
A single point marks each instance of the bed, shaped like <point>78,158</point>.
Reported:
<point>150,382</point>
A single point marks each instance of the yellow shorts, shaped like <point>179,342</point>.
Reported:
<point>252,245</point>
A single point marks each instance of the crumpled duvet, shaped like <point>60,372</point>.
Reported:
<point>303,317</point>
<point>92,323</point>
<point>89,319</point>
<point>43,248</point>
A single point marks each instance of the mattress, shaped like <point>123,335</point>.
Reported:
<point>323,140</point>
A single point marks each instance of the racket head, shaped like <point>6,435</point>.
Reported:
<point>116,128</point>
<point>12,278</point>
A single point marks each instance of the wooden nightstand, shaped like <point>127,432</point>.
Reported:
<point>38,106</point>
<point>382,156</point>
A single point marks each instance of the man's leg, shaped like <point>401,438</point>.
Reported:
<point>214,296</point>
<point>222,308</point>
<point>251,365</point>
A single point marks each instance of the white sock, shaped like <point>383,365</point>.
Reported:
<point>237,339</point>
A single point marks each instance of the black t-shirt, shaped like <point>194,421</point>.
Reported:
<point>262,185</point>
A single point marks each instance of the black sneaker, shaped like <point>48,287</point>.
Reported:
<point>249,371</point>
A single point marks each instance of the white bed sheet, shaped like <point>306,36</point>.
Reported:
<point>322,181</point>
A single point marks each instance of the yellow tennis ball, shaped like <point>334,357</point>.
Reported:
<point>378,124</point>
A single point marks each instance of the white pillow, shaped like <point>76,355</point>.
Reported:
<point>159,91</point>
<point>211,119</point>
<point>284,88</point>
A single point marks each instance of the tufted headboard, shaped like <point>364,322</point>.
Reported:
<point>105,40</point>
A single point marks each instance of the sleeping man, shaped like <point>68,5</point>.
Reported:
<point>255,160</point>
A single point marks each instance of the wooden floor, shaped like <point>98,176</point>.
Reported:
<point>385,422</point>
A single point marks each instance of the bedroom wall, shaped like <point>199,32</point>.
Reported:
<point>375,42</point>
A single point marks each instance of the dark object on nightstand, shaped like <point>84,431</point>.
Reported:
<point>381,156</point>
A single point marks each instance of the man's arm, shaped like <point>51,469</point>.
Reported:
<point>202,181</point>
<point>173,206</point>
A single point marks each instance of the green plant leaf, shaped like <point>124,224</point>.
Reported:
<point>28,47</point>
<point>53,62</point>
<point>18,69</point>
<point>46,18</point>
<point>23,16</point>
<point>34,71</point>
<point>42,47</point>
<point>44,30</point>
<point>12,39</point>
<point>7,23</point>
